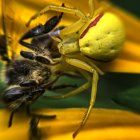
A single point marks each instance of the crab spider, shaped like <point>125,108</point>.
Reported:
<point>97,36</point>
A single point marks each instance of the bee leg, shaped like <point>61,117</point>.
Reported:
<point>51,23</point>
<point>43,60</point>
<point>61,86</point>
<point>28,55</point>
<point>38,115</point>
<point>70,29</point>
<point>39,58</point>
<point>35,133</point>
<point>28,83</point>
<point>11,118</point>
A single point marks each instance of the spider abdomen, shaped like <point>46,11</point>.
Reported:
<point>103,41</point>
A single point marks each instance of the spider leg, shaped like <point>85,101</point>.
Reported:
<point>71,93</point>
<point>40,30</point>
<point>88,61</point>
<point>91,7</point>
<point>75,91</point>
<point>69,29</point>
<point>31,83</point>
<point>32,56</point>
<point>61,86</point>
<point>82,65</point>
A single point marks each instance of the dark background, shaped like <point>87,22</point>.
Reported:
<point>132,6</point>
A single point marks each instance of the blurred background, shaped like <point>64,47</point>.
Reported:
<point>115,90</point>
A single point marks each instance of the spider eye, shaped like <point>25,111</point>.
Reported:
<point>87,45</point>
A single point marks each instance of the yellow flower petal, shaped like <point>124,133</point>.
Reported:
<point>131,23</point>
<point>103,124</point>
<point>128,61</point>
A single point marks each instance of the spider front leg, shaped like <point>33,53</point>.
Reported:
<point>69,29</point>
<point>85,72</point>
<point>91,8</point>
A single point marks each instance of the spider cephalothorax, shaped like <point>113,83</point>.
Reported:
<point>95,36</point>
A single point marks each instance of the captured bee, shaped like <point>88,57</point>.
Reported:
<point>29,78</point>
<point>91,39</point>
<point>27,81</point>
<point>34,131</point>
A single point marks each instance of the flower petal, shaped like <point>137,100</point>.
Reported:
<point>128,61</point>
<point>103,124</point>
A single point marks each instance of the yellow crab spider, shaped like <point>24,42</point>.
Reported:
<point>97,36</point>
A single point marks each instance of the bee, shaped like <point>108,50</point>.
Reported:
<point>23,78</point>
<point>93,38</point>
<point>35,132</point>
<point>28,78</point>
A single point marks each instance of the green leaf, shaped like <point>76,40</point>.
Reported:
<point>129,98</point>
